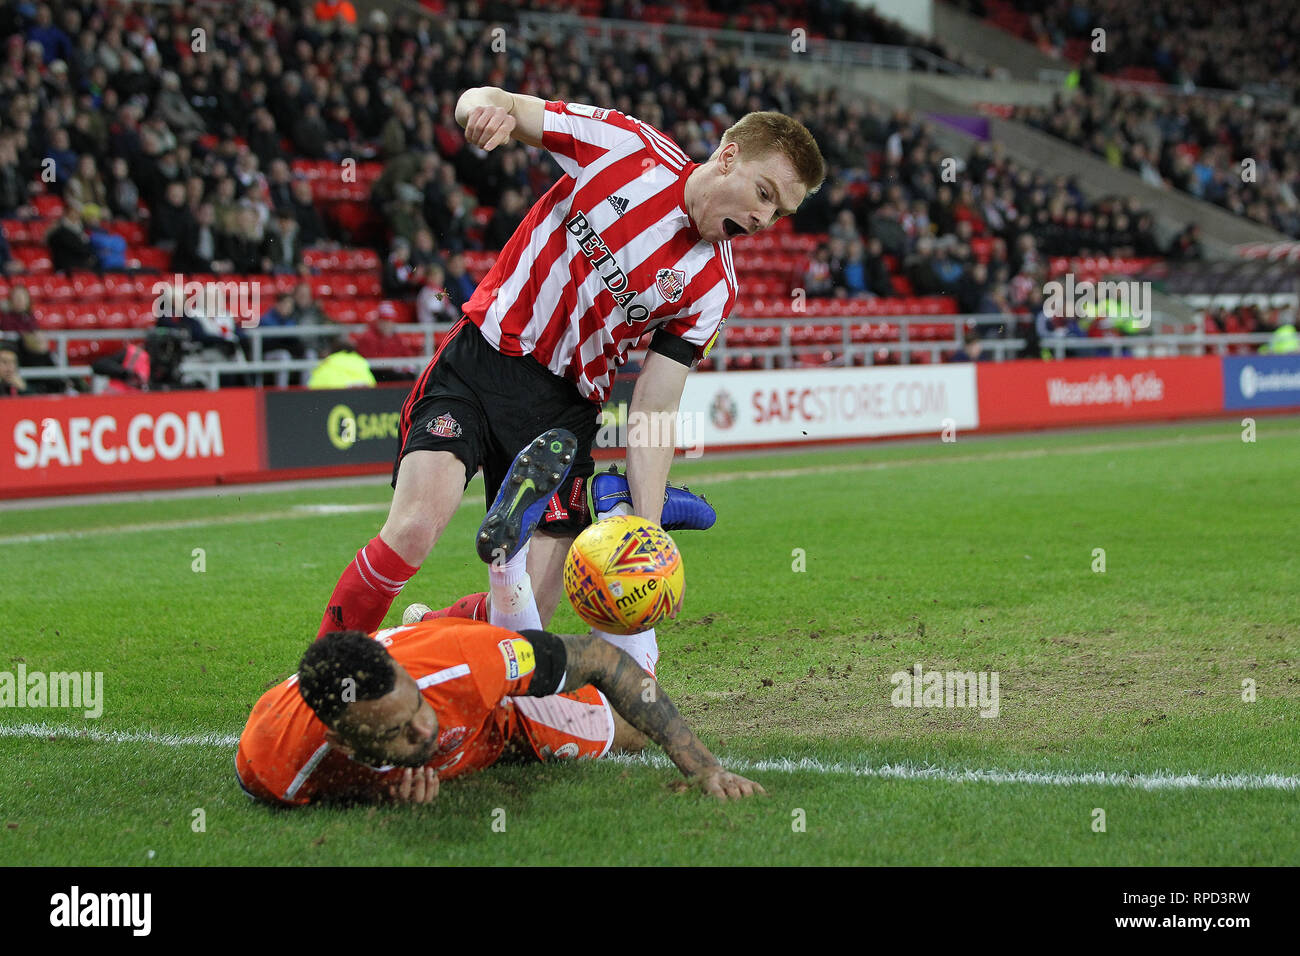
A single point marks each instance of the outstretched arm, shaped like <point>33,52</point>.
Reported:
<point>652,432</point>
<point>491,115</point>
<point>643,704</point>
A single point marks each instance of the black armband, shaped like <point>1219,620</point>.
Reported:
<point>552,663</point>
<point>674,347</point>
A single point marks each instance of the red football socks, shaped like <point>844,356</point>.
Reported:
<point>366,589</point>
<point>471,606</point>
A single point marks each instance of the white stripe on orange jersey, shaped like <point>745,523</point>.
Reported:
<point>442,676</point>
<point>306,771</point>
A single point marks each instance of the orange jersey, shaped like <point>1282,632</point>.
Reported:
<point>466,670</point>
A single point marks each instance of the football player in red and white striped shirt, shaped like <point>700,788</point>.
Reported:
<point>633,239</point>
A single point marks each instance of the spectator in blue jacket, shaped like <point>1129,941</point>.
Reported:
<point>55,44</point>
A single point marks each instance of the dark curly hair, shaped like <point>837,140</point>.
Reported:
<point>340,656</point>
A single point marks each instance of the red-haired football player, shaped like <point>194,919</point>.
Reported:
<point>632,242</point>
<point>392,714</point>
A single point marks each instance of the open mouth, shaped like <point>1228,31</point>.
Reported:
<point>733,228</point>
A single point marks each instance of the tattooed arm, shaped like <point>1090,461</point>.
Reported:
<point>640,701</point>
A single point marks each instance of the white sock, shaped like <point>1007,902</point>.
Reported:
<point>642,647</point>
<point>511,604</point>
<point>622,508</point>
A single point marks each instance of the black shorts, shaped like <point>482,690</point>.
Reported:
<point>484,407</point>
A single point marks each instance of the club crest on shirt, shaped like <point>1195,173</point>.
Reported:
<point>444,426</point>
<point>671,282</point>
<point>450,739</point>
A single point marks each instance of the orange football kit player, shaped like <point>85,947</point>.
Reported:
<point>392,714</point>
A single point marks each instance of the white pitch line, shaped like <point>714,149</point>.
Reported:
<point>298,511</point>
<point>117,736</point>
<point>908,771</point>
<point>325,510</point>
<point>902,771</point>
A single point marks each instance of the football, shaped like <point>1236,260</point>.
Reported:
<point>624,574</point>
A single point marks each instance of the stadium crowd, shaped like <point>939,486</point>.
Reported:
<point>1214,44</point>
<point>190,122</point>
<point>1234,152</point>
<point>1237,151</point>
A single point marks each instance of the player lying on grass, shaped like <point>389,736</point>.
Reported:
<point>633,241</point>
<point>393,714</point>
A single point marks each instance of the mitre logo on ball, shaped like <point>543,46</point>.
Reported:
<point>671,282</point>
<point>624,575</point>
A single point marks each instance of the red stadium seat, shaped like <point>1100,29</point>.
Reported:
<point>405,311</point>
<point>87,285</point>
<point>323,260</point>
<point>115,320</point>
<point>149,257</point>
<point>35,259</point>
<point>20,232</point>
<point>362,259</point>
<point>55,288</point>
<point>50,207</point>
<point>49,319</point>
<point>132,232</point>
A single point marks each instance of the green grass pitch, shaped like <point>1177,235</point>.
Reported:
<point>1125,691</point>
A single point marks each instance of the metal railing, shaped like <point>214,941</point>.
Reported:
<point>845,351</point>
<point>255,364</point>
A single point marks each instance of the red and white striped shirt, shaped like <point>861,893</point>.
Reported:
<point>606,255</point>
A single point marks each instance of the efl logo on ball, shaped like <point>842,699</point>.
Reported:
<point>624,575</point>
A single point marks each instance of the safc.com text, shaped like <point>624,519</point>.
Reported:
<point>829,403</point>
<point>167,437</point>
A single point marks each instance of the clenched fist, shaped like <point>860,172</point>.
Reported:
<point>489,127</point>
